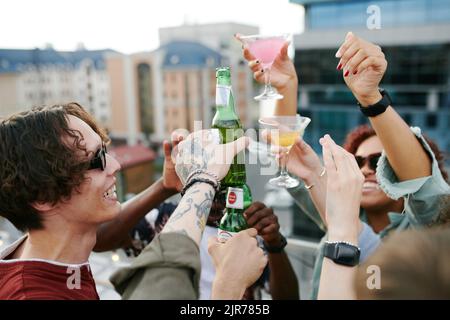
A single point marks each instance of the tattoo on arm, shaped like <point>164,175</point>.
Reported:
<point>202,209</point>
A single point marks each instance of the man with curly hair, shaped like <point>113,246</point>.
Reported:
<point>56,187</point>
<point>57,184</point>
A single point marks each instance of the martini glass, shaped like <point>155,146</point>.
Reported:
<point>265,49</point>
<point>281,132</point>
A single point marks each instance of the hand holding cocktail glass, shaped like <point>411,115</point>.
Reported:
<point>265,50</point>
<point>282,132</point>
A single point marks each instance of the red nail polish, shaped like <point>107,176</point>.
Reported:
<point>346,73</point>
<point>355,72</point>
<point>339,67</point>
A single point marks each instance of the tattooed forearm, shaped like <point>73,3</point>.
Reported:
<point>203,209</point>
<point>192,212</point>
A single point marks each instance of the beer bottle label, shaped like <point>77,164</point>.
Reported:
<point>224,235</point>
<point>235,198</point>
<point>222,95</point>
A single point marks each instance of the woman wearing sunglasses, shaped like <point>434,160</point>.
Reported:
<point>404,181</point>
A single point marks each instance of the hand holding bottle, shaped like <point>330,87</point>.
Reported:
<point>239,262</point>
<point>265,222</point>
<point>202,150</point>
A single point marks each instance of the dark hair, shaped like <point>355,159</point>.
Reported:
<point>36,164</point>
<point>364,132</point>
<point>419,269</point>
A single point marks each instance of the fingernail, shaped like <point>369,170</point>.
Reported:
<point>339,67</point>
<point>257,61</point>
<point>355,72</point>
<point>327,136</point>
<point>262,70</point>
<point>346,73</point>
<point>338,54</point>
<point>321,141</point>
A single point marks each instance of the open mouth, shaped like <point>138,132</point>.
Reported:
<point>110,194</point>
<point>370,186</point>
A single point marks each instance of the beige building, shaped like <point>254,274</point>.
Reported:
<point>46,77</point>
<point>220,37</point>
<point>155,93</point>
<point>133,96</point>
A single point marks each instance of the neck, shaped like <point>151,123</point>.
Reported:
<point>66,244</point>
<point>378,217</point>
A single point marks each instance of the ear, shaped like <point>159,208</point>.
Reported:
<point>43,207</point>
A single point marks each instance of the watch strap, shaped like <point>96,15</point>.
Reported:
<point>343,253</point>
<point>377,108</point>
<point>276,249</point>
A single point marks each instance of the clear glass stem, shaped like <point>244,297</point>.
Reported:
<point>268,85</point>
<point>283,162</point>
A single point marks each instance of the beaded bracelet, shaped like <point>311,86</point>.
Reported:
<point>216,186</point>
<point>201,171</point>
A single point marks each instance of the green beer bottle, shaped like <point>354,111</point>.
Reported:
<point>234,195</point>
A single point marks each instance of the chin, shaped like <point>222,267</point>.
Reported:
<point>374,200</point>
<point>110,213</point>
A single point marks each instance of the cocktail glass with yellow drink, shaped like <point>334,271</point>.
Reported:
<point>281,132</point>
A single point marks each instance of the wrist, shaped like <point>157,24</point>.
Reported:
<point>274,241</point>
<point>315,176</point>
<point>225,288</point>
<point>164,189</point>
<point>369,99</point>
<point>344,232</point>
<point>289,88</point>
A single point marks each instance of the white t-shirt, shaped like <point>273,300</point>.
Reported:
<point>208,270</point>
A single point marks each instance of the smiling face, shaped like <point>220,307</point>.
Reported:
<point>373,196</point>
<point>95,200</point>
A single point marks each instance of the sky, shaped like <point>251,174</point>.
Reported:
<point>130,26</point>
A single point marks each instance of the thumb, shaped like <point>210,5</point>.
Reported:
<point>252,232</point>
<point>213,243</point>
<point>166,147</point>
<point>284,51</point>
<point>349,35</point>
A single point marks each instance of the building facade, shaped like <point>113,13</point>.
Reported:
<point>46,77</point>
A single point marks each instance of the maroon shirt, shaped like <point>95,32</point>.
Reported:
<point>44,279</point>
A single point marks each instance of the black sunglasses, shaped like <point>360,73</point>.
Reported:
<point>99,160</point>
<point>372,159</point>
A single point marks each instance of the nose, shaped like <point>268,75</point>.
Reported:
<point>112,165</point>
<point>366,170</point>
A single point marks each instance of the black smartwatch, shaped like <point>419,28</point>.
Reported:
<point>378,108</point>
<point>343,253</point>
<point>276,249</point>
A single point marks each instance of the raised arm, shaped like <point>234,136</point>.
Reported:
<point>363,65</point>
<point>342,213</point>
<point>200,157</point>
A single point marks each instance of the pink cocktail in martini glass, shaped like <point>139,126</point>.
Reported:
<point>265,49</point>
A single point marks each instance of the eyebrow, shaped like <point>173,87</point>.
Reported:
<point>97,148</point>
